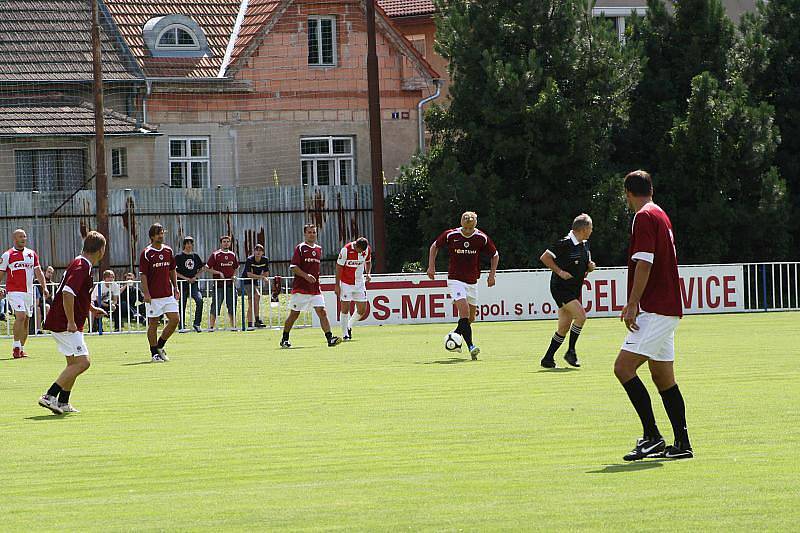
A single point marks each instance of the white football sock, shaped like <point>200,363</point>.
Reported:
<point>17,344</point>
<point>353,319</point>
<point>345,320</point>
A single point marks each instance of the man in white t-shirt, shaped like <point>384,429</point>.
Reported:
<point>105,295</point>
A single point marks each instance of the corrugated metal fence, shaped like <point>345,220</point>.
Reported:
<point>272,216</point>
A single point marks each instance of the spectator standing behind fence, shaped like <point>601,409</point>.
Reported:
<point>254,273</point>
<point>223,265</point>
<point>105,296</point>
<point>131,301</point>
<point>21,264</point>
<point>189,266</point>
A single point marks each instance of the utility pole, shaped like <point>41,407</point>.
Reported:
<point>101,177</point>
<point>375,148</point>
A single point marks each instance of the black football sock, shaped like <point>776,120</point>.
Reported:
<point>54,390</point>
<point>465,330</point>
<point>574,333</point>
<point>154,350</point>
<point>285,336</point>
<point>555,344</point>
<point>640,399</point>
<point>63,396</point>
<point>676,411</point>
<point>161,342</point>
<point>328,335</point>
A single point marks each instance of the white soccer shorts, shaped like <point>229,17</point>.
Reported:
<point>161,306</point>
<point>306,302</point>
<point>655,338</point>
<point>21,302</point>
<point>353,293</point>
<point>460,290</point>
<point>70,343</point>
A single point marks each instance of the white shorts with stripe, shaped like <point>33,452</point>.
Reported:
<point>655,338</point>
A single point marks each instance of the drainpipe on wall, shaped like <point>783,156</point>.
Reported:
<point>421,116</point>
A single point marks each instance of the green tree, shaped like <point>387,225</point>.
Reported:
<point>537,90</point>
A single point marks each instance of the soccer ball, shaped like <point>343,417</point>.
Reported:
<point>453,342</point>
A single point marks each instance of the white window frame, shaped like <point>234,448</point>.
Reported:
<point>330,156</point>
<point>189,160</point>
<point>319,19</point>
<point>413,39</point>
<point>179,47</point>
<point>122,152</point>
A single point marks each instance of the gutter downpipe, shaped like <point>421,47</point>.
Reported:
<point>420,115</point>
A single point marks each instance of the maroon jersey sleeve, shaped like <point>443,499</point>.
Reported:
<point>212,261</point>
<point>489,249</point>
<point>297,258</point>
<point>76,278</point>
<point>144,264</point>
<point>441,240</point>
<point>645,232</point>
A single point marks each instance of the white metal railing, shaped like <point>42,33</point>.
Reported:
<point>266,299</point>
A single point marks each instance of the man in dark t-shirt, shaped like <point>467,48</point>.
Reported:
<point>570,260</point>
<point>189,266</point>
<point>254,274</point>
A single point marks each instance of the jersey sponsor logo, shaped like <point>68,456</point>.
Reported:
<point>162,264</point>
<point>226,264</point>
<point>311,260</point>
<point>462,251</point>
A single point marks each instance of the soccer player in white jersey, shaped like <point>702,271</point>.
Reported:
<point>21,264</point>
<point>352,274</point>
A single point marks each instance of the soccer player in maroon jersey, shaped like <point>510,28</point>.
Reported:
<point>651,315</point>
<point>223,264</point>
<point>71,307</point>
<point>465,245</point>
<point>160,289</point>
<point>305,288</point>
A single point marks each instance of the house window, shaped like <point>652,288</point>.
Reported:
<point>178,37</point>
<point>322,41</point>
<point>327,161</point>
<point>50,170</point>
<point>189,162</point>
<point>119,162</point>
<point>419,43</point>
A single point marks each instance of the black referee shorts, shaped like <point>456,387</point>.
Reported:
<point>563,293</point>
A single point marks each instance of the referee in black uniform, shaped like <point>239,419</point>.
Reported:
<point>570,260</point>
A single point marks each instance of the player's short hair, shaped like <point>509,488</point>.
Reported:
<point>362,243</point>
<point>188,239</point>
<point>581,221</point>
<point>307,227</point>
<point>18,230</point>
<point>258,247</point>
<point>94,242</point>
<point>639,183</point>
<point>471,213</point>
<point>223,237</point>
<point>131,274</point>
<point>155,229</point>
<point>107,273</point>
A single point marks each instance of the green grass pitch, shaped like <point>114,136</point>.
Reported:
<point>391,432</point>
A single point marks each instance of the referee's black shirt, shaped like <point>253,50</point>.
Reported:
<point>573,256</point>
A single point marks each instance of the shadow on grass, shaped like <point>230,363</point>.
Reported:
<point>555,370</point>
<point>137,363</point>
<point>52,416</point>
<point>7,359</point>
<point>451,361</point>
<point>628,467</point>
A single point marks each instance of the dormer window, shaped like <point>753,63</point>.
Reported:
<point>179,38</point>
<point>175,36</point>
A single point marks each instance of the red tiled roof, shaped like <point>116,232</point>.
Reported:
<point>216,17</point>
<point>258,14</point>
<point>38,117</point>
<point>48,40</point>
<point>408,8</point>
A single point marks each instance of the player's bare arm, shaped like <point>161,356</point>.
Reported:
<point>37,271</point>
<point>296,270</point>
<point>2,289</point>
<point>173,275</point>
<point>368,270</point>
<point>548,261</point>
<point>434,251</point>
<point>631,309</point>
<point>336,287</point>
<point>491,280</point>
<point>145,289</point>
